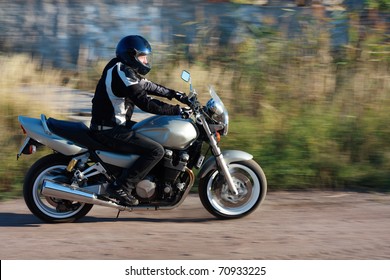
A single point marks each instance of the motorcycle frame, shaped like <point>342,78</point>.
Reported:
<point>39,131</point>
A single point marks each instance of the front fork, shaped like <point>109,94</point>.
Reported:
<point>219,157</point>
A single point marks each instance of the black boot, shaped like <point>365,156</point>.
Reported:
<point>123,195</point>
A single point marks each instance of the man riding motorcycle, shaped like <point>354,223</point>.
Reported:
<point>120,88</point>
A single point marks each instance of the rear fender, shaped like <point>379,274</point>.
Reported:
<point>37,129</point>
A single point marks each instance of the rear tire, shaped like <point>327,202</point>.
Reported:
<point>50,209</point>
<point>250,181</point>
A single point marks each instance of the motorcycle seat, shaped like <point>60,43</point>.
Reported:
<point>76,132</point>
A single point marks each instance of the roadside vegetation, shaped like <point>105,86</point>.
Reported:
<point>19,73</point>
<point>313,117</point>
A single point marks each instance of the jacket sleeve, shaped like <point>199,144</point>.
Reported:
<point>156,89</point>
<point>139,96</point>
<point>126,84</point>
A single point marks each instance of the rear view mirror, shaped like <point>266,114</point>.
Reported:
<point>186,76</point>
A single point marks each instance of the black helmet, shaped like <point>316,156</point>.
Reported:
<point>130,48</point>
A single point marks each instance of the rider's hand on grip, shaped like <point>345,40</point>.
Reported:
<point>185,112</point>
<point>182,97</point>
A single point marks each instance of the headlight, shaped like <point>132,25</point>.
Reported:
<point>215,110</point>
<point>218,113</point>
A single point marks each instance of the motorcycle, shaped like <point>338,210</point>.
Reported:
<point>64,186</point>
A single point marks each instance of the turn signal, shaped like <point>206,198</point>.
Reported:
<point>218,137</point>
<point>29,149</point>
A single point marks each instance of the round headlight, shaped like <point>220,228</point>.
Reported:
<point>214,108</point>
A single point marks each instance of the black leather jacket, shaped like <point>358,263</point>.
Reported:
<point>120,89</point>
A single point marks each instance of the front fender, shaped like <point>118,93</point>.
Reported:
<point>229,156</point>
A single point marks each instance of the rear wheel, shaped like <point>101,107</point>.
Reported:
<point>51,209</point>
<point>250,182</point>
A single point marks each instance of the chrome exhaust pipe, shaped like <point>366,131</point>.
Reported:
<point>64,191</point>
<point>67,192</point>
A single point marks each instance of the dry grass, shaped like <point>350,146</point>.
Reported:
<point>20,74</point>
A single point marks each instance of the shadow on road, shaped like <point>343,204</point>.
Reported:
<point>29,220</point>
<point>18,220</point>
<point>146,220</point>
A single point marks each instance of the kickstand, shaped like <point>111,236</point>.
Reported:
<point>117,215</point>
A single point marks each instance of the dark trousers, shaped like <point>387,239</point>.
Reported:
<point>124,140</point>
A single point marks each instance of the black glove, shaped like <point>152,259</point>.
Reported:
<point>185,112</point>
<point>182,97</point>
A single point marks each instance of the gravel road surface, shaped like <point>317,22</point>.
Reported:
<point>289,225</point>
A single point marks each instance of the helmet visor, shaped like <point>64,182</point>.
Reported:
<point>144,58</point>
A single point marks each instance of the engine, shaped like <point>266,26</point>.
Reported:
<point>146,189</point>
<point>166,183</point>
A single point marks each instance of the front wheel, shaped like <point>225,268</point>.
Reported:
<point>251,184</point>
<point>51,209</point>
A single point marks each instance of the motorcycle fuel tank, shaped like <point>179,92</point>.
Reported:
<point>170,131</point>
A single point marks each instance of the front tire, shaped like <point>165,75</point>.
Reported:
<point>50,209</point>
<point>251,184</point>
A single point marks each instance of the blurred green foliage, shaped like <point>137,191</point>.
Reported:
<point>379,4</point>
<point>312,118</point>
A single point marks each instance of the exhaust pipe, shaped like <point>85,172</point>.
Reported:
<point>67,192</point>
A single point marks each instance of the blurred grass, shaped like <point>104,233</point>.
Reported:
<point>312,118</point>
<point>20,71</point>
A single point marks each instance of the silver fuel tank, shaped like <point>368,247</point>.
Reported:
<point>172,132</point>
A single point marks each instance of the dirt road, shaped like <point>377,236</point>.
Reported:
<point>289,225</point>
